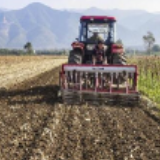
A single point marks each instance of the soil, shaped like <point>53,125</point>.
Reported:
<point>36,125</point>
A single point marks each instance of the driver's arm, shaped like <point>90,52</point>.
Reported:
<point>94,56</point>
<point>104,56</point>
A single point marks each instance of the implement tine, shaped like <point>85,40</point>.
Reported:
<point>99,84</point>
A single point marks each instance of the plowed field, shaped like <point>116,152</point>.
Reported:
<point>36,125</point>
<point>16,69</point>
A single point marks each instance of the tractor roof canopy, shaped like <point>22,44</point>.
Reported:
<point>100,19</point>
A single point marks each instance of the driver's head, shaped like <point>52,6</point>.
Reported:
<point>95,34</point>
<point>100,44</point>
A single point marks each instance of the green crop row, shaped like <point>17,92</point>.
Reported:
<point>149,76</point>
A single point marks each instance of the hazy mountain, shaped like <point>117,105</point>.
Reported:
<point>40,24</point>
<point>135,21</point>
<point>3,9</point>
<point>48,28</point>
<point>119,14</point>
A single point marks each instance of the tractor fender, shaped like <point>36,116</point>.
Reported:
<point>78,46</point>
<point>117,55</point>
<point>117,48</point>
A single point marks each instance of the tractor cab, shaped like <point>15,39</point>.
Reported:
<point>94,27</point>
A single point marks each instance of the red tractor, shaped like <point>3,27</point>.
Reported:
<point>81,80</point>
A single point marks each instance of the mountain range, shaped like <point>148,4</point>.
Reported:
<point>48,28</point>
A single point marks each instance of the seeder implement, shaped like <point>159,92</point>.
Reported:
<point>99,83</point>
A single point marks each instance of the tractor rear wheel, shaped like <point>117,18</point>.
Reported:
<point>119,59</point>
<point>75,57</point>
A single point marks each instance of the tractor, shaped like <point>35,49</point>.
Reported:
<point>83,81</point>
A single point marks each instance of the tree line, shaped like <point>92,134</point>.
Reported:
<point>29,50</point>
<point>149,41</point>
<point>150,45</point>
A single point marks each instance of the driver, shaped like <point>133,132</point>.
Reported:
<point>95,37</point>
<point>98,54</point>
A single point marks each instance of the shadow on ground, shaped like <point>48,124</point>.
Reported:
<point>37,95</point>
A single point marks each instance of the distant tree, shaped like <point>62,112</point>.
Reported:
<point>29,48</point>
<point>119,41</point>
<point>11,52</point>
<point>156,48</point>
<point>149,40</point>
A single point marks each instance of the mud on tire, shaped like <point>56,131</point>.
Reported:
<point>75,57</point>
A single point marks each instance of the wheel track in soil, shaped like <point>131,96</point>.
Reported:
<point>78,132</point>
<point>45,79</point>
<point>94,145</point>
<point>128,134</point>
<point>18,94</point>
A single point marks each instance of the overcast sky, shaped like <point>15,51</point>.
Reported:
<point>149,5</point>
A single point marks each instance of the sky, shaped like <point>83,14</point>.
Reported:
<point>148,5</point>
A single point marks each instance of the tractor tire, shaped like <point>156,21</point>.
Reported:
<point>75,57</point>
<point>119,59</point>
